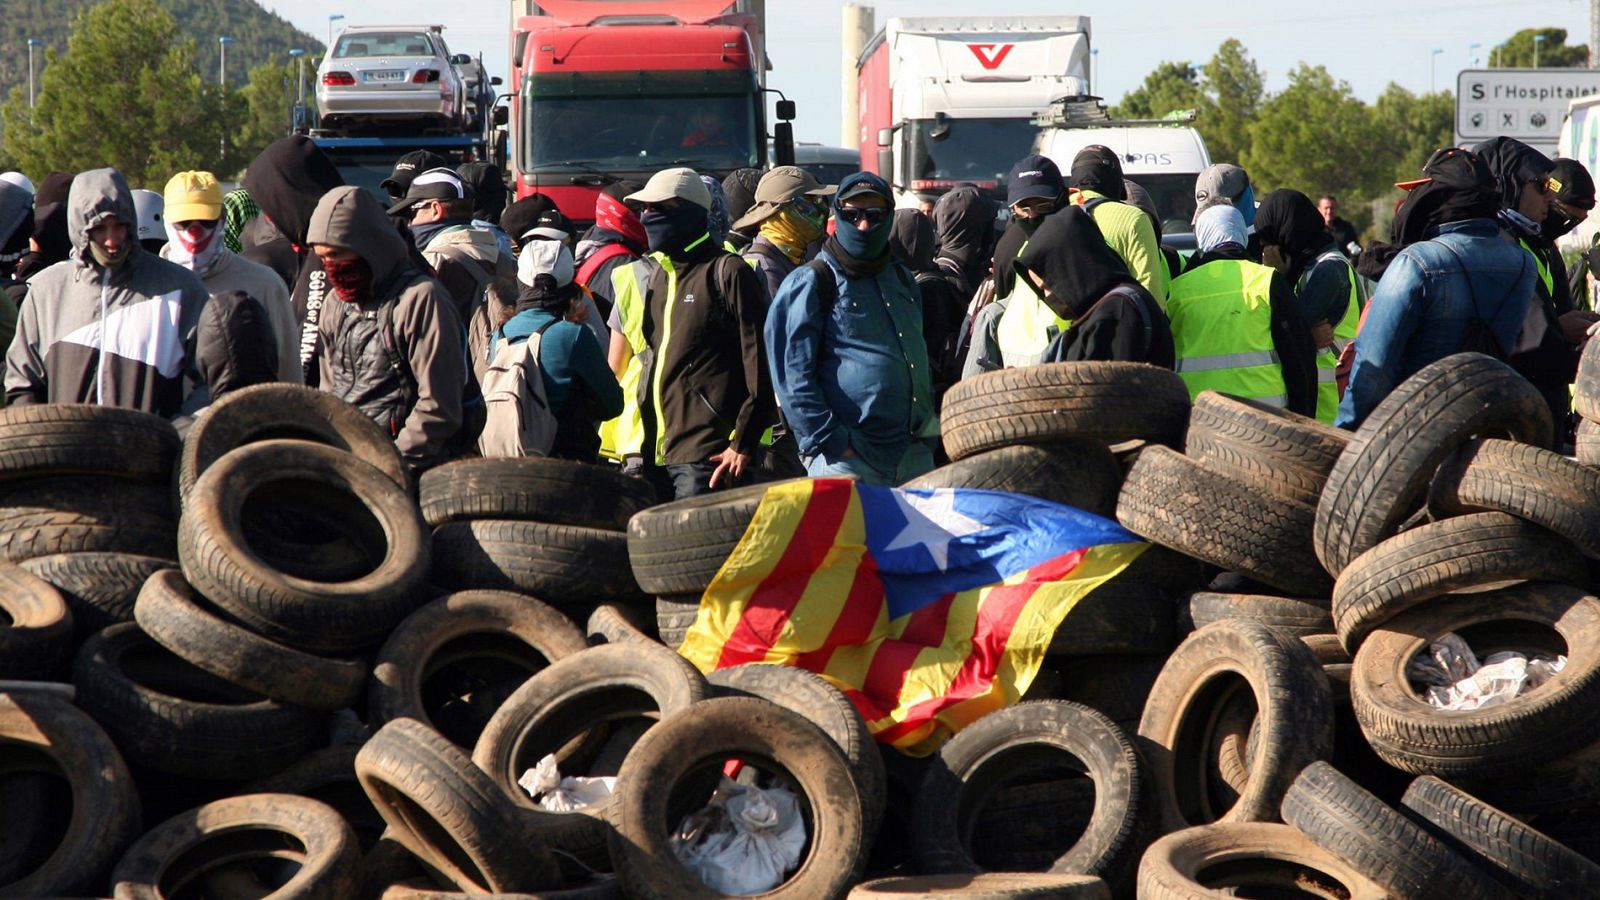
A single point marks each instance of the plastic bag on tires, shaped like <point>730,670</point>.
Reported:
<point>745,841</point>
<point>554,793</point>
<point>1457,680</point>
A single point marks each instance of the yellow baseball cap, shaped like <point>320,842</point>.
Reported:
<point>193,196</point>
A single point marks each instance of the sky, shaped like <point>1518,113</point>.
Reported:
<point>1367,43</point>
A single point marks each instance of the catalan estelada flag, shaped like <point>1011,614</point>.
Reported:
<point>929,608</point>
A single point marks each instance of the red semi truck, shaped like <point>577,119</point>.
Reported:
<point>612,89</point>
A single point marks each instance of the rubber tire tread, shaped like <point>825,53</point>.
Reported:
<point>621,623</point>
<point>1081,474</point>
<point>1171,867</point>
<point>1118,617</point>
<point>1294,615</point>
<point>1294,706</point>
<point>100,588</point>
<point>677,548</point>
<point>72,439</point>
<point>675,615</point>
<point>533,488</point>
<point>1384,471</point>
<point>1289,454</point>
<point>327,867</point>
<point>1380,842</point>
<point>464,805</point>
<point>986,886</point>
<point>1586,442</point>
<point>174,616</point>
<point>1539,866</point>
<point>46,516</point>
<point>36,636</point>
<point>1179,503</point>
<point>1432,560</point>
<point>1110,402</point>
<point>1586,384</point>
<point>1528,482</point>
<point>572,569</point>
<point>735,727</point>
<point>1538,727</point>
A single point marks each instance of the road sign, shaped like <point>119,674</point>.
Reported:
<point>1526,104</point>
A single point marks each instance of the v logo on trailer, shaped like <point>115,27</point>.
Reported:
<point>990,56</point>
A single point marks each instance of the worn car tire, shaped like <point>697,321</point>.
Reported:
<point>1586,442</point>
<point>46,516</point>
<point>1384,845</point>
<point>1432,560</point>
<point>1295,615</point>
<point>35,626</point>
<point>1535,727</point>
<point>986,886</point>
<point>533,488</point>
<point>652,796</point>
<point>1535,865</point>
<point>181,853</point>
<point>1586,384</point>
<point>675,615</point>
<point>1528,482</point>
<point>100,588</point>
<point>621,623</point>
<point>1294,711</point>
<point>677,548</point>
<point>1109,402</point>
<point>1377,482</point>
<point>554,708</point>
<point>450,814</point>
<point>39,732</point>
<point>1118,685</point>
<point>274,411</point>
<point>572,569</point>
<point>1002,744</point>
<point>350,498</point>
<point>1117,617</point>
<point>511,636</point>
<point>173,717</point>
<point>1243,858</point>
<point>1081,474</point>
<point>329,776</point>
<point>174,616</point>
<point>72,439</point>
<point>1288,454</point>
<point>1179,503</point>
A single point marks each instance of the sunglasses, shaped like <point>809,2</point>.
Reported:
<point>805,207</point>
<point>853,216</point>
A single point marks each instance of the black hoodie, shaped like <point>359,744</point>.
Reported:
<point>944,303</point>
<point>963,219</point>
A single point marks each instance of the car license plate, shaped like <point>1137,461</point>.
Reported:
<point>383,75</point>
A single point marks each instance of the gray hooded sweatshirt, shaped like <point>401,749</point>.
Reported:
<point>119,336</point>
<point>400,355</point>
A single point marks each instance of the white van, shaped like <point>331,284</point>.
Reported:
<point>1580,140</point>
<point>1163,159</point>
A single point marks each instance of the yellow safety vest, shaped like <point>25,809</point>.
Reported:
<point>1221,318</point>
<point>1343,333</point>
<point>1025,328</point>
<point>1545,278</point>
<point>624,436</point>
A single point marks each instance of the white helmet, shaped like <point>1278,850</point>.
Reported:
<point>18,179</point>
<point>148,206</point>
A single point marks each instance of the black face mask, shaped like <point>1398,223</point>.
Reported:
<point>1556,224</point>
<point>673,229</point>
<point>1029,226</point>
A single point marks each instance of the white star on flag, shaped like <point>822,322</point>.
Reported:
<point>932,523</point>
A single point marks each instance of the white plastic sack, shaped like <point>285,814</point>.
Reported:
<point>554,793</point>
<point>746,841</point>
<point>1456,680</point>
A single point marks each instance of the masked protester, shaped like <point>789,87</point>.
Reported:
<point>790,215</point>
<point>699,314</point>
<point>1000,337</point>
<point>1097,186</point>
<point>739,189</point>
<point>615,240</point>
<point>1574,192</point>
<point>943,294</point>
<point>717,221</point>
<point>109,286</point>
<point>195,241</point>
<point>390,342</point>
<point>848,356</point>
<point>16,233</point>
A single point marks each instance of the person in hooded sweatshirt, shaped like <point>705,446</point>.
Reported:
<point>709,394</point>
<point>1096,184</point>
<point>112,324</point>
<point>390,342</point>
<point>791,215</point>
<point>1015,329</point>
<point>1108,314</point>
<point>739,188</point>
<point>845,339</point>
<point>1461,274</point>
<point>194,241</point>
<point>50,243</point>
<point>1234,324</point>
<point>942,290</point>
<point>235,348</point>
<point>615,239</point>
<point>286,181</point>
<point>464,258</point>
<point>963,224</point>
<point>16,234</point>
<point>1295,241</point>
<point>486,187</point>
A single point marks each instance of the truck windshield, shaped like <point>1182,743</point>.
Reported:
<point>980,151</point>
<point>645,134</point>
<point>1174,199</point>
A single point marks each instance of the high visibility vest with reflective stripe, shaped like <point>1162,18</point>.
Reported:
<point>624,435</point>
<point>1024,331</point>
<point>1545,277</point>
<point>1343,333</point>
<point>1221,318</point>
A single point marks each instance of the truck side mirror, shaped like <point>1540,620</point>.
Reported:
<point>786,110</point>
<point>941,127</point>
<point>783,144</point>
<point>460,59</point>
<point>496,79</point>
<point>885,137</point>
<point>502,115</point>
<point>886,165</point>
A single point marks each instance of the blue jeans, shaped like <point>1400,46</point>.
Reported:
<point>918,460</point>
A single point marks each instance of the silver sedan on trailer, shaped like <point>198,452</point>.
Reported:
<point>389,75</point>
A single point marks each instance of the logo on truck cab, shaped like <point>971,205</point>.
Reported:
<point>990,56</point>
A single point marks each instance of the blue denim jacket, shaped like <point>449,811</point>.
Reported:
<point>1421,309</point>
<point>856,376</point>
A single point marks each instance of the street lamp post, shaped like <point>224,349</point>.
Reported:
<point>32,43</point>
<point>1433,67</point>
<point>1475,59</point>
<point>1537,40</point>
<point>222,63</point>
<point>1094,69</point>
<point>299,57</point>
<point>332,17</point>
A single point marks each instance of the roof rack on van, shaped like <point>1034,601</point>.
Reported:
<point>1086,111</point>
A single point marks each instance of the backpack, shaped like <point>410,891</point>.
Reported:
<point>519,421</point>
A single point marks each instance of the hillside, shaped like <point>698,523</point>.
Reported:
<point>258,34</point>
